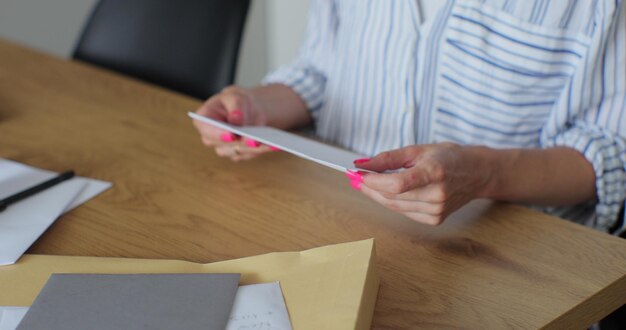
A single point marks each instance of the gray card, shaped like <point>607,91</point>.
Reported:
<point>133,301</point>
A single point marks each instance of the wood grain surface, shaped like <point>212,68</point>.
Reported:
<point>490,266</point>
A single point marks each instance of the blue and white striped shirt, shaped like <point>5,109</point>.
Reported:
<point>377,76</point>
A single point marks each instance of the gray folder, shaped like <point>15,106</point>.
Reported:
<point>133,301</point>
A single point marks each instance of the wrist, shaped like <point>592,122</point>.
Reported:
<point>490,166</point>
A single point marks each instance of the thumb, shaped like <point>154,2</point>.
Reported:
<point>236,108</point>
<point>390,160</point>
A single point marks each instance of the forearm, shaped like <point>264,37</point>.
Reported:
<point>551,177</point>
<point>283,108</point>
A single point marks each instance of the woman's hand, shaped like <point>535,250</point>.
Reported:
<point>438,179</point>
<point>236,106</point>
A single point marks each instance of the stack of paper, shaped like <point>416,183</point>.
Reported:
<point>23,222</point>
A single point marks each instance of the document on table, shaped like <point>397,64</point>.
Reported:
<point>23,222</point>
<point>256,306</point>
<point>10,317</point>
<point>259,306</point>
<point>339,159</point>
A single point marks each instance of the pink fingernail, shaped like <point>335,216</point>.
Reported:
<point>252,143</point>
<point>356,185</point>
<point>275,149</point>
<point>354,176</point>
<point>235,115</point>
<point>227,137</point>
<point>362,160</point>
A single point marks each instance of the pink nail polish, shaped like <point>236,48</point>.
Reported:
<point>354,176</point>
<point>236,115</point>
<point>252,143</point>
<point>227,137</point>
<point>362,160</point>
<point>275,149</point>
<point>356,185</point>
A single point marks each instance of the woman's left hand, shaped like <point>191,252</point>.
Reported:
<point>438,179</point>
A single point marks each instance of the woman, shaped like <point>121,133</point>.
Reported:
<point>511,100</point>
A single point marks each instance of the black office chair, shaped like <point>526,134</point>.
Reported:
<point>189,46</point>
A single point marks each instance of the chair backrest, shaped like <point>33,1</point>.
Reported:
<point>190,46</point>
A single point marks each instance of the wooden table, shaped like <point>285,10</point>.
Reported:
<point>489,266</point>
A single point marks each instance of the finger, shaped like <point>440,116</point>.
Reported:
<point>427,219</point>
<point>239,151</point>
<point>255,151</point>
<point>247,156</point>
<point>210,132</point>
<point>230,105</point>
<point>236,107</point>
<point>256,144</point>
<point>225,138</point>
<point>403,206</point>
<point>224,150</point>
<point>208,142</point>
<point>397,183</point>
<point>251,143</point>
<point>390,160</point>
<point>433,193</point>
<point>213,108</point>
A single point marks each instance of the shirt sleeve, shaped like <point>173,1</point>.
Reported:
<point>306,74</point>
<point>596,126</point>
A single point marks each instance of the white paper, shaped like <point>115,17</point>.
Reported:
<point>16,177</point>
<point>256,307</point>
<point>24,221</point>
<point>10,317</point>
<point>259,307</point>
<point>339,159</point>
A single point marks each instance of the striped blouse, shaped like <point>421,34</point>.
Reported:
<point>376,75</point>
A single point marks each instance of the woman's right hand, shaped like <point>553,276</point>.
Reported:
<point>236,106</point>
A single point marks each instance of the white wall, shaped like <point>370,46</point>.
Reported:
<point>253,53</point>
<point>51,26</point>
<point>272,35</point>
<point>287,20</point>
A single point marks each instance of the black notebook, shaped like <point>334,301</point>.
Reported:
<point>133,301</point>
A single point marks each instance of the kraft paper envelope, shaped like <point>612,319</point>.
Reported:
<point>330,287</point>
